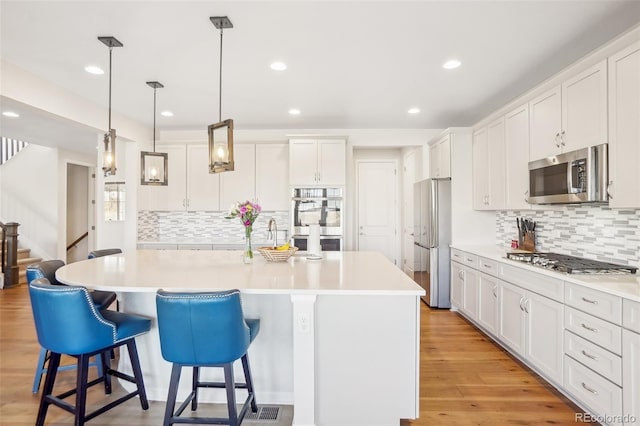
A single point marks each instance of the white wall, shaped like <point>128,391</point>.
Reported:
<point>29,196</point>
<point>77,203</point>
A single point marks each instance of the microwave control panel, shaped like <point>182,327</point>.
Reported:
<point>579,175</point>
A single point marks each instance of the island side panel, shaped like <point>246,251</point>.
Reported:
<point>367,359</point>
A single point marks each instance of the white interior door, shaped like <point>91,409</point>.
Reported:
<point>377,201</point>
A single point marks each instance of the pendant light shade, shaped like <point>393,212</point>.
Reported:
<point>109,153</point>
<point>154,165</point>
<point>221,133</point>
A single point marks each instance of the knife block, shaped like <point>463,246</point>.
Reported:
<point>528,241</point>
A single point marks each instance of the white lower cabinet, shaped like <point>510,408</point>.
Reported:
<point>631,377</point>
<point>584,341</point>
<point>598,393</point>
<point>511,317</point>
<point>488,302</point>
<point>457,276</point>
<point>470,293</point>
<point>531,325</point>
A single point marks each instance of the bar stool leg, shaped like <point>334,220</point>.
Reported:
<point>195,381</point>
<point>54,362</point>
<point>37,378</point>
<point>173,393</point>
<point>231,394</point>
<point>249,381</point>
<point>105,360</point>
<point>81,387</point>
<point>137,373</point>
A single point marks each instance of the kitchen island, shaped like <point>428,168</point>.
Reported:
<point>339,336</point>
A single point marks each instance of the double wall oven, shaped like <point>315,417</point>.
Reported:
<point>317,206</point>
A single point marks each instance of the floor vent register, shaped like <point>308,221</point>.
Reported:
<point>264,414</point>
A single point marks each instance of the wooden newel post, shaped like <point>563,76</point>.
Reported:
<point>11,271</point>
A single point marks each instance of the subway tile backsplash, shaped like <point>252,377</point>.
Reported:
<point>205,227</point>
<point>592,232</point>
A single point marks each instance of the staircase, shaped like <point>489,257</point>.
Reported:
<point>24,260</point>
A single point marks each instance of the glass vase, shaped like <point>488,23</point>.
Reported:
<point>247,256</point>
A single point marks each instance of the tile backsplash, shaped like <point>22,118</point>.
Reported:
<point>591,232</point>
<point>205,227</point>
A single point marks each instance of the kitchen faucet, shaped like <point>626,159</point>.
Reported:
<point>272,231</point>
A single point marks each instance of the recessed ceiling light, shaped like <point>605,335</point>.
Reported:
<point>10,114</point>
<point>92,69</point>
<point>413,110</point>
<point>294,111</point>
<point>166,114</point>
<point>451,64</point>
<point>278,66</point>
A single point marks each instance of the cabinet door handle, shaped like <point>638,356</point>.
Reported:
<point>495,288</point>
<point>521,300</point>
<point>562,137</point>
<point>184,202</point>
<point>526,196</point>
<point>609,189</point>
<point>593,391</point>
<point>594,302</point>
<point>557,140</point>
<point>588,355</point>
<point>586,327</point>
<point>486,265</point>
<point>526,309</point>
<point>318,176</point>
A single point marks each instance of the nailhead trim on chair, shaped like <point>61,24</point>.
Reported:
<point>198,296</point>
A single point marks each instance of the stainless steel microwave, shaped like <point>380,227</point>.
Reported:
<point>572,177</point>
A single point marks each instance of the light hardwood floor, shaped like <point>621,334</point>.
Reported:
<point>465,379</point>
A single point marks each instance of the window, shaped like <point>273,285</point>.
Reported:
<point>114,200</point>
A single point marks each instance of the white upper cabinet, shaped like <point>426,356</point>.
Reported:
<point>516,130</point>
<point>545,124</point>
<point>570,116</point>
<point>624,128</point>
<point>240,184</point>
<point>272,176</point>
<point>317,162</point>
<point>489,167</point>
<point>440,158</point>
<point>203,188</point>
<point>480,169</point>
<point>584,109</point>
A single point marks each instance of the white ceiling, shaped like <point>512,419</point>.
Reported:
<point>359,64</point>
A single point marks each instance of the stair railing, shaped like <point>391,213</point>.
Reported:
<point>77,240</point>
<point>10,254</point>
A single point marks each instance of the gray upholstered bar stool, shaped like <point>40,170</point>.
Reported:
<point>104,252</point>
<point>205,330</point>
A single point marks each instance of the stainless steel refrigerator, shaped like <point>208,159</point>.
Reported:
<point>432,237</point>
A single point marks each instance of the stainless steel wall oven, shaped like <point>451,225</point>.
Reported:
<point>317,206</point>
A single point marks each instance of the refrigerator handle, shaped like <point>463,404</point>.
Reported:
<point>434,214</point>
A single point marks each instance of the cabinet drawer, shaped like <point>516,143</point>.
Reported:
<point>598,331</point>
<point>594,357</point>
<point>594,302</point>
<point>488,266</point>
<point>596,392</point>
<point>631,315</point>
<point>470,260</point>
<point>553,288</point>
<point>457,255</point>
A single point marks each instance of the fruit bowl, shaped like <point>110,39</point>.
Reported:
<point>273,255</point>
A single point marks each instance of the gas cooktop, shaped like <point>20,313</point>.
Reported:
<point>570,264</point>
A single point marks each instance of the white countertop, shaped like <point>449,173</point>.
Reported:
<point>627,286</point>
<point>344,273</point>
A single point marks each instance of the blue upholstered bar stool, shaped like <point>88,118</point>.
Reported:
<point>67,322</point>
<point>102,299</point>
<point>104,252</point>
<point>205,330</point>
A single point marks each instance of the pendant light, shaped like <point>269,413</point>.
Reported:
<point>154,164</point>
<point>221,133</point>
<point>109,154</point>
